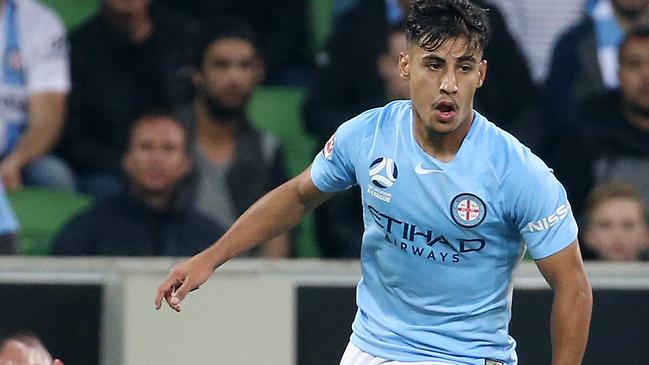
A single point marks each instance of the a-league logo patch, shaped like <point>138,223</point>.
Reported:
<point>468,210</point>
<point>328,149</point>
<point>383,172</point>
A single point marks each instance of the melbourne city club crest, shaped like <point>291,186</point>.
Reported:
<point>468,210</point>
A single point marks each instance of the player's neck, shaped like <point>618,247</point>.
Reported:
<point>443,147</point>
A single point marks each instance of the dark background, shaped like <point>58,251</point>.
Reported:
<point>65,317</point>
<point>619,329</point>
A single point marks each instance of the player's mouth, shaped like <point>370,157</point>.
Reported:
<point>445,110</point>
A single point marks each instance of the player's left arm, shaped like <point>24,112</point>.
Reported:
<point>572,304</point>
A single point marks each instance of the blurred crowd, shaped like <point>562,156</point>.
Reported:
<point>143,108</point>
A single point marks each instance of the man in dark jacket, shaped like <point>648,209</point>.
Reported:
<point>236,163</point>
<point>584,62</point>
<point>154,217</point>
<point>125,60</point>
<point>610,139</point>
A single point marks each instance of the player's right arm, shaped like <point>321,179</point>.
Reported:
<point>272,215</point>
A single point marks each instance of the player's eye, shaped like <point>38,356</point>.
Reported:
<point>434,66</point>
<point>466,68</point>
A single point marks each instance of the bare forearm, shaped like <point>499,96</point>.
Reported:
<point>571,312</point>
<point>277,248</point>
<point>46,115</point>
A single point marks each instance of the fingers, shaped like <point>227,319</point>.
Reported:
<point>165,290</point>
<point>57,362</point>
<point>180,294</point>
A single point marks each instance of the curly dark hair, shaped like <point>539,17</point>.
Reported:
<point>432,22</point>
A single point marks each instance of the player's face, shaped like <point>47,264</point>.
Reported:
<point>157,158</point>
<point>617,230</point>
<point>443,83</point>
<point>229,74</point>
<point>634,73</point>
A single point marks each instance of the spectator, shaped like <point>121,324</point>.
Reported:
<point>154,217</point>
<point>536,25</point>
<point>584,60</point>
<point>236,163</point>
<point>387,64</point>
<point>347,81</point>
<point>8,226</point>
<point>339,220</point>
<point>616,223</point>
<point>126,59</point>
<point>612,130</point>
<point>281,26</point>
<point>33,91</point>
<point>24,348</point>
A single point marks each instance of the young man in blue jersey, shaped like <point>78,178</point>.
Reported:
<point>450,202</point>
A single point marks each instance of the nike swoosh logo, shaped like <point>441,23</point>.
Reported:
<point>422,171</point>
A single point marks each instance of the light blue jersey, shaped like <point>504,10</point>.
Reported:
<point>441,239</point>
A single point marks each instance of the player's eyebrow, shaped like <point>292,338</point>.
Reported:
<point>432,57</point>
<point>463,58</point>
<point>467,58</point>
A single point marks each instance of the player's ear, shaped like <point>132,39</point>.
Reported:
<point>482,72</point>
<point>404,66</point>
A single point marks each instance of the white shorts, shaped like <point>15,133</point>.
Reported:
<point>355,356</point>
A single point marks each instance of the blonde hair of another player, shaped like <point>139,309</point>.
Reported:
<point>24,348</point>
<point>616,222</point>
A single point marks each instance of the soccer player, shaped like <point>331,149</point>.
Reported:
<point>448,199</point>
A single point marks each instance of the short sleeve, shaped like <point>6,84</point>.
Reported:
<point>46,52</point>
<point>542,214</point>
<point>333,168</point>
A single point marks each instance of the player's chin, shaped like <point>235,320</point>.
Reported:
<point>443,127</point>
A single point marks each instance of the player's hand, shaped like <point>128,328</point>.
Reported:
<point>10,170</point>
<point>182,279</point>
<point>57,362</point>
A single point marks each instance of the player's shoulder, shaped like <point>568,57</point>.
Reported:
<point>377,120</point>
<point>37,12</point>
<point>507,155</point>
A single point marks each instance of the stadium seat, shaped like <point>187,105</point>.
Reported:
<point>277,110</point>
<point>321,18</point>
<point>41,213</point>
<point>73,12</point>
